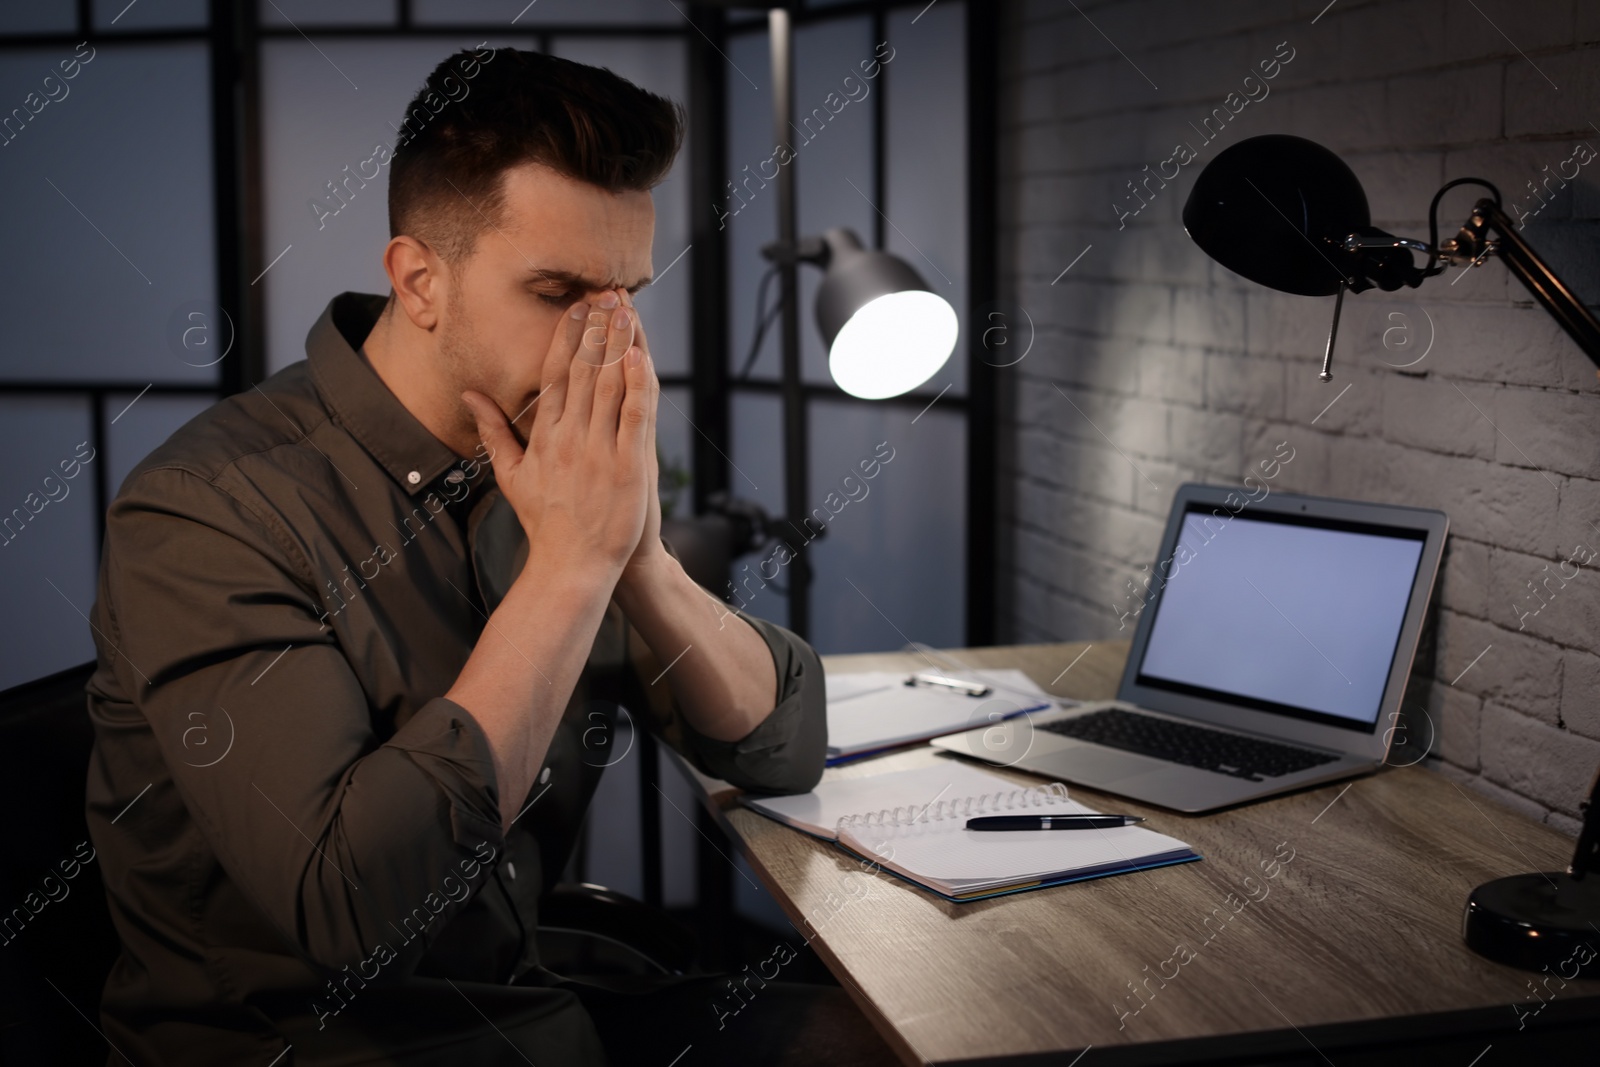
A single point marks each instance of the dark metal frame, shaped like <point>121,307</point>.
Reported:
<point>983,378</point>
<point>796,412</point>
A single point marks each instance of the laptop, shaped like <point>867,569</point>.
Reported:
<point>1272,644</point>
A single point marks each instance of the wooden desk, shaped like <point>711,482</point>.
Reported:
<point>1355,943</point>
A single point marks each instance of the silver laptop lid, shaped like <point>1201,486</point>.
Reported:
<point>1291,616</point>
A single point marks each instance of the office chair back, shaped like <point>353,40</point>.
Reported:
<point>57,943</point>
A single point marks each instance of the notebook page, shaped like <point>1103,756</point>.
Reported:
<point>946,855</point>
<point>819,811</point>
<point>845,686</point>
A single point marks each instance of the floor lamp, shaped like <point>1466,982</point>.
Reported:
<point>887,332</point>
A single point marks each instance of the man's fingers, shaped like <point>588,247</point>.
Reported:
<point>642,342</point>
<point>655,397</point>
<point>558,360</point>
<point>640,339</point>
<point>633,425</point>
<point>591,356</point>
<point>504,450</point>
<point>616,346</point>
<point>609,389</point>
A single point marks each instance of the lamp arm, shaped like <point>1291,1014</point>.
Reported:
<point>1545,285</point>
<point>1433,218</point>
<point>813,250</point>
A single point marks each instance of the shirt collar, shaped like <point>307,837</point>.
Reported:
<point>361,402</point>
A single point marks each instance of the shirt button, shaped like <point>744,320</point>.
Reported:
<point>544,776</point>
<point>511,869</point>
<point>455,477</point>
<point>413,477</point>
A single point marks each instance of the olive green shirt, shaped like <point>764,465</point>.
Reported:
<point>300,836</point>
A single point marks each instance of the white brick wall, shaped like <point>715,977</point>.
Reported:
<point>1180,370</point>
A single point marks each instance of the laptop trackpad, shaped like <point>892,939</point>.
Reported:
<point>1099,765</point>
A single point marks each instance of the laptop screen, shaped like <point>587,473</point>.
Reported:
<point>1288,614</point>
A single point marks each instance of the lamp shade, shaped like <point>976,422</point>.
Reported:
<point>886,331</point>
<point>1276,209</point>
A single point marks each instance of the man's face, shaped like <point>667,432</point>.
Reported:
<point>561,241</point>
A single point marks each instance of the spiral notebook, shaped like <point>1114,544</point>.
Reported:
<point>913,824</point>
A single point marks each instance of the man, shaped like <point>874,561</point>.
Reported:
<point>352,625</point>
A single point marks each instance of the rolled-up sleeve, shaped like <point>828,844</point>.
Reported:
<point>332,835</point>
<point>783,754</point>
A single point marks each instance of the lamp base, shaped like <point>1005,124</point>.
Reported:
<point>1537,921</point>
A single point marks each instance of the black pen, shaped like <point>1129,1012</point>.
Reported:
<point>1051,822</point>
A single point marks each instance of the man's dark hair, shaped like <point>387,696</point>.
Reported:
<point>482,112</point>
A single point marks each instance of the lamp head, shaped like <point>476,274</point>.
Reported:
<point>886,331</point>
<point>1278,209</point>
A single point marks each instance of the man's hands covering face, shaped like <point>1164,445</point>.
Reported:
<point>584,488</point>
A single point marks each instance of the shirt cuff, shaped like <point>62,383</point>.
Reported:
<point>449,746</point>
<point>786,751</point>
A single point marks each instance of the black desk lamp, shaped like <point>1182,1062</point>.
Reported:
<point>1289,214</point>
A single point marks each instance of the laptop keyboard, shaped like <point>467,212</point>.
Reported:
<point>1192,746</point>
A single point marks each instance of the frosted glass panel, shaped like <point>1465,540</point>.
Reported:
<point>833,154</point>
<point>612,825</point>
<point>680,841</point>
<point>114,16</point>
<point>544,12</point>
<point>659,65</point>
<point>613,816</point>
<point>675,440</point>
<point>133,432</point>
<point>891,567</point>
<point>925,161</point>
<point>39,16</point>
<point>47,534</point>
<point>313,126</point>
<point>757,454</point>
<point>110,207</point>
<point>749,212</point>
<point>296,13</point>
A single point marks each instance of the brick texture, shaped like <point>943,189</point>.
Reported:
<point>1158,366</point>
